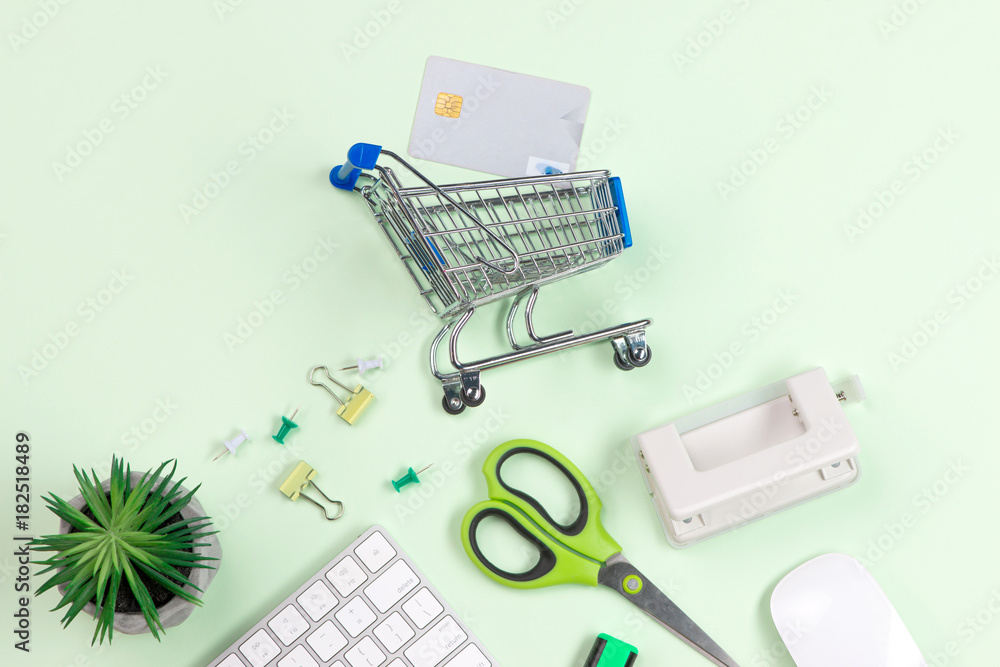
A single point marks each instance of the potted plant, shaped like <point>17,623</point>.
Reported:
<point>131,551</point>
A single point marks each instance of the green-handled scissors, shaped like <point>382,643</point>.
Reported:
<point>581,552</point>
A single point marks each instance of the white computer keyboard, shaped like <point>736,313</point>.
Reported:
<point>369,606</point>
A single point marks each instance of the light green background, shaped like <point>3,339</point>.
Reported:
<point>673,131</point>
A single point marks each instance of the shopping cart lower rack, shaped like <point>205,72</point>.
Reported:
<point>469,244</point>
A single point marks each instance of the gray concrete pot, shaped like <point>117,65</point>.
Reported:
<point>176,610</point>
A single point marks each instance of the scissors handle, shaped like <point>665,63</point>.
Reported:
<point>556,564</point>
<point>585,534</point>
<point>562,547</point>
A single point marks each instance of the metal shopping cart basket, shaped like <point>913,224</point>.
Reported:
<point>469,244</point>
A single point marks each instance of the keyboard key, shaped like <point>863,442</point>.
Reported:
<point>317,600</point>
<point>368,607</point>
<point>392,586</point>
<point>470,656</point>
<point>288,625</point>
<point>355,616</point>
<point>422,608</point>
<point>393,632</point>
<point>346,576</point>
<point>365,654</point>
<point>260,649</point>
<point>299,657</point>
<point>432,648</point>
<point>327,640</point>
<point>375,551</point>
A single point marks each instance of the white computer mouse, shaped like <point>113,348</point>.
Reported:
<point>830,612</point>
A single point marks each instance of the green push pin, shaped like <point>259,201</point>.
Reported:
<point>409,478</point>
<point>286,425</point>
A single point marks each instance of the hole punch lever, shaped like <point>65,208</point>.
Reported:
<point>357,403</point>
<point>295,487</point>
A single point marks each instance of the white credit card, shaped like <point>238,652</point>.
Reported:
<point>497,121</point>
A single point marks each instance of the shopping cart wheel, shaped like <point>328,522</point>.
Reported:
<point>623,365</point>
<point>638,361</point>
<point>470,398</point>
<point>446,404</point>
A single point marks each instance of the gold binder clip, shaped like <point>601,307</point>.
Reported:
<point>355,405</point>
<point>295,487</point>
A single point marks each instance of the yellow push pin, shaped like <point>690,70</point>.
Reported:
<point>295,487</point>
<point>355,405</point>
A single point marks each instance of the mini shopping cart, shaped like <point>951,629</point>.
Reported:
<point>469,244</point>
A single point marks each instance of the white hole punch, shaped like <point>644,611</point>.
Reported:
<point>751,456</point>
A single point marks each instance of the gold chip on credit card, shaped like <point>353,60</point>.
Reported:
<point>449,106</point>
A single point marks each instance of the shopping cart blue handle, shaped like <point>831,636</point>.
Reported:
<point>618,199</point>
<point>360,156</point>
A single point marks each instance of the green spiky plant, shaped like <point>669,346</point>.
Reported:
<point>131,532</point>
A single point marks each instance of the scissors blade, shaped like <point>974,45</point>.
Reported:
<point>651,600</point>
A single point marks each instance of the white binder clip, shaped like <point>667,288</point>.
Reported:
<point>751,456</point>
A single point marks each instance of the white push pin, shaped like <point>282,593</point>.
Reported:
<point>366,365</point>
<point>231,445</point>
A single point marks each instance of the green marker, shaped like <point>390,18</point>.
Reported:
<point>611,652</point>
